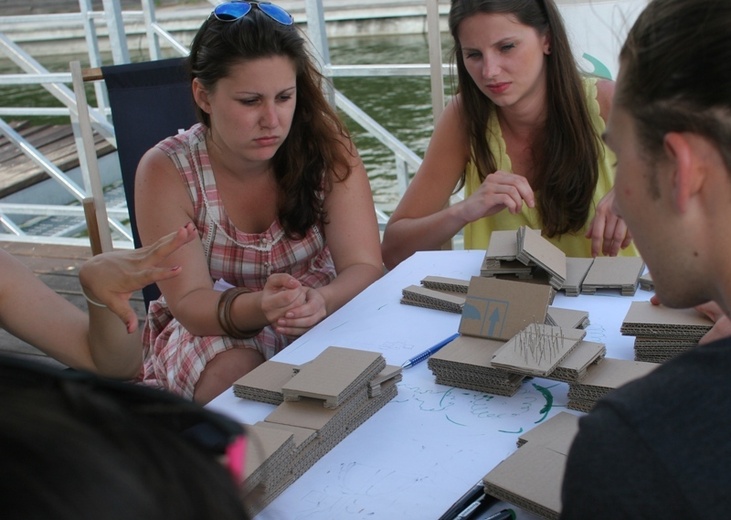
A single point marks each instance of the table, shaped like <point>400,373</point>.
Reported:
<point>431,443</point>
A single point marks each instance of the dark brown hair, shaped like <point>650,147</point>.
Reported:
<point>315,150</point>
<point>567,153</point>
<point>675,74</point>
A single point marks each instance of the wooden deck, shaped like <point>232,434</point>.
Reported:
<point>55,142</point>
<point>57,267</point>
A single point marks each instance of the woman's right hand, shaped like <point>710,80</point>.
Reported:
<point>282,292</point>
<point>500,190</point>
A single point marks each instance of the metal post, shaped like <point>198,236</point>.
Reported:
<point>435,58</point>
<point>153,40</point>
<point>317,33</point>
<point>117,34</point>
<point>92,43</point>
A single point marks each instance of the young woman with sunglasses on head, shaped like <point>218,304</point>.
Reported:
<point>278,193</point>
<point>522,135</point>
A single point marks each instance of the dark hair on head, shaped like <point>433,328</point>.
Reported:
<point>71,451</point>
<point>567,150</point>
<point>675,74</point>
<point>315,153</point>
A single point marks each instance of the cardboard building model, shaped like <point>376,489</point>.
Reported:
<point>504,337</point>
<point>531,477</point>
<point>525,254</point>
<point>662,333</point>
<point>319,404</point>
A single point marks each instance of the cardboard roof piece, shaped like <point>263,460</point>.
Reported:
<point>576,270</point>
<point>466,363</point>
<point>298,433</point>
<point>567,318</point>
<point>614,272</point>
<point>264,383</point>
<point>500,256</point>
<point>537,349</point>
<point>574,366</point>
<point>535,249</point>
<point>531,477</point>
<point>420,296</point>
<point>647,320</point>
<point>503,245</point>
<point>559,430</point>
<point>603,377</point>
<point>499,309</point>
<point>334,375</point>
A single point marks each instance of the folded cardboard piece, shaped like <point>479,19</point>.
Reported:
<point>614,272</point>
<point>531,477</point>
<point>603,377</point>
<point>528,255</point>
<point>265,382</point>
<point>576,271</point>
<point>567,318</point>
<point>333,375</point>
<point>421,296</point>
<point>466,362</point>
<point>537,349</point>
<point>499,309</point>
<point>662,333</point>
<point>319,404</point>
<point>533,249</point>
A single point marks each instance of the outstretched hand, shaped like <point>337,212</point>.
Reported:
<point>608,232</point>
<point>111,278</point>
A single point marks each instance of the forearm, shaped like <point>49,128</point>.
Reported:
<point>198,312</point>
<point>406,236</point>
<point>114,352</point>
<point>347,284</point>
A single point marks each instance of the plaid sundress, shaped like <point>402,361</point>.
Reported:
<point>175,358</point>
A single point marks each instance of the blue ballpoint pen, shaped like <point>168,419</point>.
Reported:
<point>428,352</point>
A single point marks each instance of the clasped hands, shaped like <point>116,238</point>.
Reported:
<point>290,307</point>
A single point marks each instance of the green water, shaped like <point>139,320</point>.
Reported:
<point>400,104</point>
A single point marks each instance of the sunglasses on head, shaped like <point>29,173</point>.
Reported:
<point>209,431</point>
<point>232,11</point>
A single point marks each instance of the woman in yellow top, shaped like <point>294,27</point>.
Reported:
<point>522,135</point>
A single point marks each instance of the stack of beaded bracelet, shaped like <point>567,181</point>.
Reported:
<point>224,314</point>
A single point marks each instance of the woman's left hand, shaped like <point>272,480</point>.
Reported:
<point>299,320</point>
<point>608,232</point>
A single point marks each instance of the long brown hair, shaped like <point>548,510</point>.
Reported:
<point>567,153</point>
<point>315,150</point>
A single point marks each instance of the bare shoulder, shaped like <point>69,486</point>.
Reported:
<point>605,95</point>
<point>152,163</point>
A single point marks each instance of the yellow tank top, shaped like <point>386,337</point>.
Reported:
<point>477,234</point>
